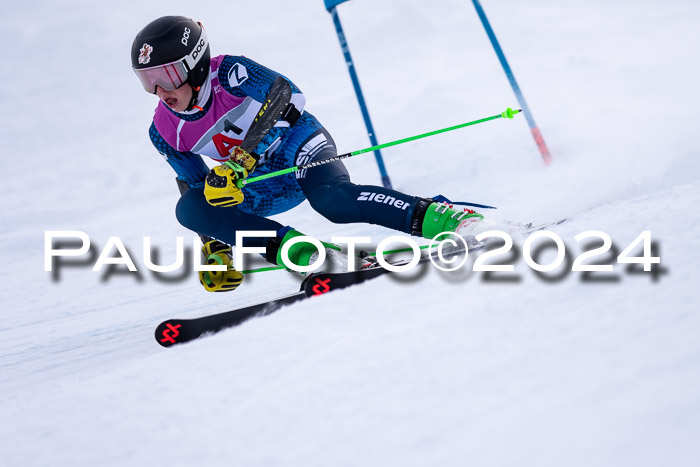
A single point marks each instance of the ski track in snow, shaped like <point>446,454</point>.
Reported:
<point>443,370</point>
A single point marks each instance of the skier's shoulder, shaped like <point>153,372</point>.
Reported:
<point>229,61</point>
<point>238,71</point>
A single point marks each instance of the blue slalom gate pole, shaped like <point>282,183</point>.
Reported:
<point>514,84</point>
<point>331,7</point>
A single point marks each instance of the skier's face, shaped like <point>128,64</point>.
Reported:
<point>177,99</point>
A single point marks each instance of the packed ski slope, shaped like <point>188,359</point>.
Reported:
<point>431,369</point>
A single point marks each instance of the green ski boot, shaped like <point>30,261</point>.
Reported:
<point>432,218</point>
<point>305,253</point>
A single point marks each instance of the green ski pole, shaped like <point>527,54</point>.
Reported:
<point>241,183</point>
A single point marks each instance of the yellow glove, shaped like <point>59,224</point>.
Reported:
<point>217,252</point>
<point>221,188</point>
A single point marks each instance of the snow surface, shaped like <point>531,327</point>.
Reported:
<point>440,370</point>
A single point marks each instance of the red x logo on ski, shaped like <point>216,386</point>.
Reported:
<point>321,286</point>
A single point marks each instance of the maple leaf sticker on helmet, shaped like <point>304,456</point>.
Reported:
<point>145,56</point>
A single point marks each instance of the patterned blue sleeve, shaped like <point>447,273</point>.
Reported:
<point>189,166</point>
<point>250,79</point>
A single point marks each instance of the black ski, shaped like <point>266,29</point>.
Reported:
<point>178,331</point>
<point>322,283</point>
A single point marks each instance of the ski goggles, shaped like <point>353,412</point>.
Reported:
<point>172,75</point>
<point>169,76</point>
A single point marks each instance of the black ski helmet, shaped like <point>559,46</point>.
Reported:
<point>171,40</point>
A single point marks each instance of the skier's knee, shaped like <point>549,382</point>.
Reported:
<point>186,212</point>
<point>327,210</point>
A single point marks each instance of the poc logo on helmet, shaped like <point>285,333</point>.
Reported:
<point>198,49</point>
<point>185,36</point>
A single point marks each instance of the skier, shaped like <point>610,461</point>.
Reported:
<point>206,108</point>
